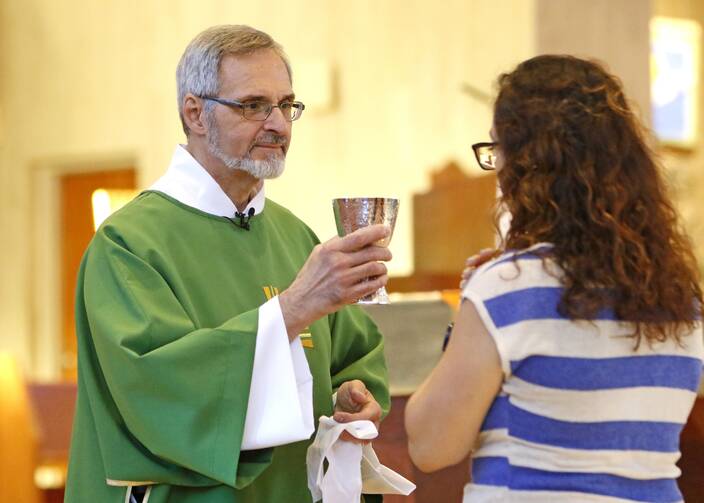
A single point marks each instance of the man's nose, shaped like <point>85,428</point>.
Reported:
<point>276,121</point>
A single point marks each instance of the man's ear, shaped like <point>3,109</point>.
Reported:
<point>193,114</point>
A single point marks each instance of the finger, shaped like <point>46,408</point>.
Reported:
<point>366,287</point>
<point>351,396</point>
<point>347,437</point>
<point>360,279</point>
<point>371,412</point>
<point>344,401</point>
<point>358,393</point>
<point>347,407</point>
<point>362,272</point>
<point>475,260</point>
<point>348,417</point>
<point>484,252</point>
<point>487,254</point>
<point>471,261</point>
<point>354,386</point>
<point>361,396</point>
<point>369,254</point>
<point>361,238</point>
<point>482,256</point>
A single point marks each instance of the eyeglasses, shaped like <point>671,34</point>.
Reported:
<point>486,154</point>
<point>261,110</point>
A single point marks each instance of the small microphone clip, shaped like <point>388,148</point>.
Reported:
<point>243,219</point>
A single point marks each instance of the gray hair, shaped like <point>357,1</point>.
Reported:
<point>198,70</point>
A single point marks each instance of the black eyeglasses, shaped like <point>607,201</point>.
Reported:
<point>261,110</point>
<point>485,153</point>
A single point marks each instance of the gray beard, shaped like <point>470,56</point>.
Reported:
<point>262,169</point>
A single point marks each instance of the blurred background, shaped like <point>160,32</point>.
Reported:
<point>396,91</point>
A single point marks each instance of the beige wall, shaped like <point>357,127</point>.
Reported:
<point>615,32</point>
<point>84,83</point>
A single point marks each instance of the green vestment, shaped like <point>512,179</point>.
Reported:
<point>167,313</point>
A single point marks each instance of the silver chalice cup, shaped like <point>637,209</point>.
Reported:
<point>352,213</point>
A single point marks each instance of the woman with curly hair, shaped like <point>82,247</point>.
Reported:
<point>577,351</point>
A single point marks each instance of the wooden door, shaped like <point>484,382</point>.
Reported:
<point>76,231</point>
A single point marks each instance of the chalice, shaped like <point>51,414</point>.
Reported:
<point>352,213</point>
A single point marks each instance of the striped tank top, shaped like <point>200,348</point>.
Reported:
<point>581,416</point>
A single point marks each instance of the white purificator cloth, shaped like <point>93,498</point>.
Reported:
<point>353,469</point>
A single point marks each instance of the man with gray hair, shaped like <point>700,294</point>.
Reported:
<point>213,327</point>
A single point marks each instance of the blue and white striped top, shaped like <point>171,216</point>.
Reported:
<point>581,416</point>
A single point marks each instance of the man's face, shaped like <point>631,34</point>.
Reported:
<point>258,147</point>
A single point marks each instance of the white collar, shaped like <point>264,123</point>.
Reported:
<point>189,183</point>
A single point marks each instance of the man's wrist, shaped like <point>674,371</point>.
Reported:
<point>293,313</point>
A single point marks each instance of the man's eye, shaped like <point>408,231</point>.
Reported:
<point>255,106</point>
<point>286,105</point>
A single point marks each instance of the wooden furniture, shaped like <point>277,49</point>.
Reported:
<point>451,221</point>
<point>35,433</point>
<point>17,437</point>
<point>691,463</point>
<point>52,406</point>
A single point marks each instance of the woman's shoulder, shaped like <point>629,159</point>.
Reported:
<point>538,253</point>
<point>516,269</point>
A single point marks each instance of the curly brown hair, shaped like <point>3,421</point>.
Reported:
<point>577,173</point>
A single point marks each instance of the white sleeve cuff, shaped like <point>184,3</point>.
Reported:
<point>280,407</point>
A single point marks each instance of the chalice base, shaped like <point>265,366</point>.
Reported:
<point>378,297</point>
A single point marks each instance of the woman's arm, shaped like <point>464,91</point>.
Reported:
<point>444,415</point>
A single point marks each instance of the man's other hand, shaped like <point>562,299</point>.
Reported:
<point>354,403</point>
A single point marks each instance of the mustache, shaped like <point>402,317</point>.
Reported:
<point>271,139</point>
